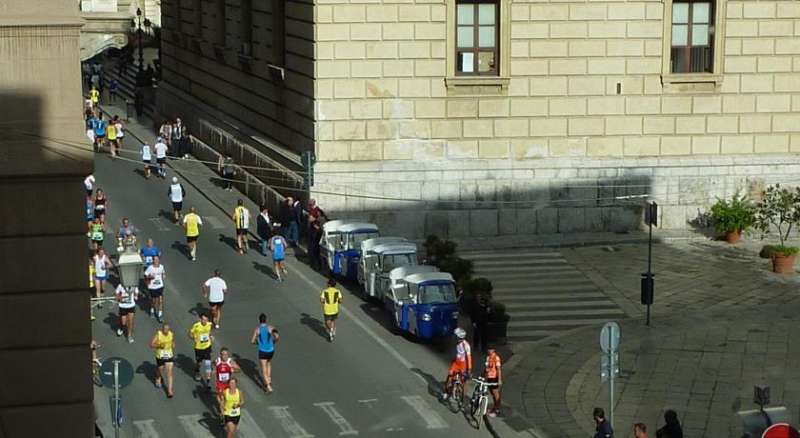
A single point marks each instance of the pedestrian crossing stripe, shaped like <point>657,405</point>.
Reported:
<point>288,423</point>
<point>337,418</point>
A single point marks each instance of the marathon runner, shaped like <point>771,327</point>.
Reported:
<point>102,264</point>
<point>161,156</point>
<point>99,130</point>
<point>126,300</point>
<point>148,252</point>
<point>163,343</point>
<point>147,159</point>
<point>111,133</point>
<point>154,277</point>
<point>127,234</point>
<point>241,219</point>
<point>89,216</point>
<point>192,223</point>
<point>100,204</point>
<point>233,402</point>
<point>278,245</point>
<point>120,133</point>
<point>215,289</point>
<point>200,334</point>
<point>265,336</point>
<point>88,184</point>
<point>330,298</point>
<point>176,193</point>
<point>224,367</point>
<point>97,234</point>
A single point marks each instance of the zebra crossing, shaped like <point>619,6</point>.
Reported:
<point>542,292</point>
<point>412,413</point>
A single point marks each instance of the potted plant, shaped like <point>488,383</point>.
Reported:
<point>732,217</point>
<point>779,212</point>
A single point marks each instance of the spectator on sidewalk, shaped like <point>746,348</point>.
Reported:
<point>603,429</point>
<point>639,430</point>
<point>263,229</point>
<point>314,235</point>
<point>480,322</point>
<point>179,135</point>
<point>295,215</point>
<point>165,132</point>
<point>673,427</point>
<point>227,171</point>
<point>113,90</point>
<point>138,101</point>
<point>315,214</point>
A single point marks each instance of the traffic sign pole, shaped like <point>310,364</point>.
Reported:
<point>609,344</point>
<point>116,399</point>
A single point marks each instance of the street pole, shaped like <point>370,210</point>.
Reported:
<point>140,33</point>
<point>649,266</point>
<point>648,283</point>
<point>611,373</point>
<point>116,399</point>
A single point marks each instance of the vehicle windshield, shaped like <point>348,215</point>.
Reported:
<point>354,239</point>
<point>398,260</point>
<point>437,293</point>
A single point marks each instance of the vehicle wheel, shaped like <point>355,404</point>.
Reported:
<point>458,395</point>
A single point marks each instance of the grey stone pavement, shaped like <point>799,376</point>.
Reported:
<point>721,323</point>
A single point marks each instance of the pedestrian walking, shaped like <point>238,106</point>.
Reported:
<point>176,193</point>
<point>192,223</point>
<point>154,278</point>
<point>200,334</point>
<point>278,245</point>
<point>214,289</point>
<point>672,428</point>
<point>603,428</point>
<point>330,298</point>
<point>241,220</point>
<point>163,343</point>
<point>226,169</point>
<point>265,336</point>
<point>126,301</point>
<point>161,156</point>
<point>639,430</point>
<point>233,402</point>
<point>263,229</point>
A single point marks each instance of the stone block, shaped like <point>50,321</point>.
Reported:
<point>349,130</point>
<point>462,108</point>
<point>606,105</point>
<point>324,50</point>
<point>417,129</point>
<point>643,66</point>
<point>623,125</point>
<point>549,127</point>
<point>431,67</point>
<point>528,148</point>
<point>333,151</point>
<point>381,13</point>
<point>349,88</point>
<point>429,31</point>
<point>625,47</point>
<point>786,122</point>
<point>607,29</point>
<point>332,32</point>
<point>758,83</point>
<point>737,144</point>
<point>676,145</point>
<point>365,31</point>
<point>366,151</point>
<point>567,147</point>
<point>519,49</point>
<point>381,49</point>
<point>621,219</point>
<point>398,109</point>
<point>786,46</point>
<point>333,110</point>
<point>493,108</point>
<point>381,129</point>
<point>446,129</point>
<point>478,128</point>
<point>586,126</point>
<point>493,149</point>
<point>458,223</point>
<point>626,11</point>
<point>398,150</point>
<point>530,30</point>
<point>641,146</point>
<point>757,46</point>
<point>414,13</point>
<point>567,67</point>
<point>526,220</point>
<point>676,105</point>
<point>528,67</point>
<point>605,147</point>
<point>462,149</point>
<point>333,69</point>
<point>353,13</point>
<point>773,103</point>
<point>606,66</point>
<point>788,9</point>
<point>397,31</point>
<point>739,104</point>
<point>586,85</point>
<point>547,220</point>
<point>549,12</point>
<point>740,64</point>
<point>741,28</point>
<point>571,220</point>
<point>755,123</point>
<point>350,50</point>
<point>690,125</point>
<point>399,67</point>
<point>705,144</point>
<point>734,10</point>
<point>568,30</point>
<point>436,223</point>
<point>528,107</point>
<point>722,124</point>
<point>366,69</point>
<point>587,11</point>
<point>414,49</point>
<point>520,12</point>
<point>429,109</point>
<point>659,125</point>
<point>548,49</point>
<point>707,104</point>
<point>758,9</point>
<point>507,221</point>
<point>569,106</point>
<point>733,47</point>
<point>643,104</point>
<point>429,150</point>
<point>774,64</point>
<point>509,127</point>
<point>776,143</point>
<point>414,87</point>
<point>549,86</point>
<point>589,47</point>
<point>643,29</point>
<point>483,222</point>
<point>652,47</point>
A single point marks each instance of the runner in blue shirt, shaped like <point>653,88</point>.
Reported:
<point>148,252</point>
<point>277,244</point>
<point>265,336</point>
<point>100,130</point>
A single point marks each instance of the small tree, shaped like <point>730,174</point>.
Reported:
<point>732,216</point>
<point>779,211</point>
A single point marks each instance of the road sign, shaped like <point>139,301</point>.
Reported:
<point>107,372</point>
<point>781,430</point>
<point>609,337</point>
<point>605,364</point>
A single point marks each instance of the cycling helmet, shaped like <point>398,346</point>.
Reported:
<point>460,333</point>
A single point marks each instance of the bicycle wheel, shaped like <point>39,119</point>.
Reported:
<point>483,405</point>
<point>458,395</point>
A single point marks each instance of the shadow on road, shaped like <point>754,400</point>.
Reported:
<point>185,364</point>
<point>265,269</point>
<point>168,215</point>
<point>199,309</point>
<point>139,171</point>
<point>249,369</point>
<point>181,248</point>
<point>230,241</point>
<point>435,387</point>
<point>112,320</point>
<point>148,370</point>
<point>314,324</point>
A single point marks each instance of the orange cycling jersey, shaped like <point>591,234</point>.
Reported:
<point>492,366</point>
<point>463,359</point>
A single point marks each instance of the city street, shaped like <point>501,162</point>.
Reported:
<point>368,382</point>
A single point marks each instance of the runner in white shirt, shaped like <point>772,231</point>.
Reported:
<point>126,299</point>
<point>101,266</point>
<point>88,183</point>
<point>161,157</point>
<point>176,193</point>
<point>154,277</point>
<point>147,159</point>
<point>215,289</point>
<point>120,133</point>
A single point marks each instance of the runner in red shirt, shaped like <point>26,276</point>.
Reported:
<point>224,367</point>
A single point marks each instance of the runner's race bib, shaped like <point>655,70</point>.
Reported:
<point>234,412</point>
<point>166,354</point>
<point>204,338</point>
<point>156,283</point>
<point>224,377</point>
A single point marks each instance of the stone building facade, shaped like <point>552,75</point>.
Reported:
<point>491,117</point>
<point>44,313</point>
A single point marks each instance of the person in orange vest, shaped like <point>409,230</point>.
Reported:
<point>494,375</point>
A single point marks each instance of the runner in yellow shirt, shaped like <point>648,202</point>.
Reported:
<point>200,334</point>
<point>163,343</point>
<point>330,298</point>
<point>94,96</point>
<point>233,402</point>
<point>111,134</point>
<point>192,223</point>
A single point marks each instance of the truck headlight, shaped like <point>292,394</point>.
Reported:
<point>455,315</point>
<point>426,317</point>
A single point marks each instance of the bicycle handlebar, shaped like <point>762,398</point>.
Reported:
<point>483,382</point>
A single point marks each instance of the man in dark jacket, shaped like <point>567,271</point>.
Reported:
<point>603,429</point>
<point>673,427</point>
<point>295,215</point>
<point>263,229</point>
<point>314,234</point>
<point>480,322</point>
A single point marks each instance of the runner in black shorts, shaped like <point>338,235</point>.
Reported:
<point>201,355</point>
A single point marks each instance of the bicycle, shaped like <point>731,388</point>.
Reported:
<point>479,402</point>
<point>456,393</point>
<point>96,364</point>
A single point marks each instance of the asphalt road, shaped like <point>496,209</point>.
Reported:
<point>369,382</point>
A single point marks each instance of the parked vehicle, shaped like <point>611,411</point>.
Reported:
<point>379,256</point>
<point>422,304</point>
<point>340,245</point>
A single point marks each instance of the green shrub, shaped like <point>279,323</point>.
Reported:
<point>738,214</point>
<point>779,211</point>
<point>767,251</point>
<point>785,250</point>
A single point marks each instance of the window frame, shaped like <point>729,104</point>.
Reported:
<point>681,80</point>
<point>476,48</point>
<point>690,25</point>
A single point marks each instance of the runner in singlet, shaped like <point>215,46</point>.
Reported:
<point>100,204</point>
<point>224,367</point>
<point>278,245</point>
<point>97,234</point>
<point>163,343</point>
<point>200,334</point>
<point>241,219</point>
<point>176,193</point>
<point>147,159</point>
<point>102,264</point>
<point>154,277</point>
<point>120,133</point>
<point>111,133</point>
<point>265,336</point>
<point>126,300</point>
<point>192,223</point>
<point>161,157</point>
<point>89,216</point>
<point>233,402</point>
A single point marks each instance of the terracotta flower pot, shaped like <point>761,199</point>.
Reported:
<point>783,264</point>
<point>733,236</point>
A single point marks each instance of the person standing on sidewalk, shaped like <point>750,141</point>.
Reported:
<point>113,90</point>
<point>154,277</point>
<point>176,193</point>
<point>494,375</point>
<point>265,336</point>
<point>480,322</point>
<point>295,217</point>
<point>330,298</point>
<point>227,170</point>
<point>192,224</point>
<point>126,300</point>
<point>241,219</point>
<point>314,235</point>
<point>263,229</point>
<point>215,289</point>
<point>603,429</point>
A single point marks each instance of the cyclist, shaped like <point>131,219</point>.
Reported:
<point>164,344</point>
<point>224,367</point>
<point>176,193</point>
<point>265,336</point>
<point>278,245</point>
<point>192,224</point>
<point>462,364</point>
<point>241,217</point>
<point>148,252</point>
<point>233,402</point>
<point>154,277</point>
<point>200,333</point>
<point>493,374</point>
<point>215,289</point>
<point>330,298</point>
<point>126,300</point>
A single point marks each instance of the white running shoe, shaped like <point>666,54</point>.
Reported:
<point>119,332</point>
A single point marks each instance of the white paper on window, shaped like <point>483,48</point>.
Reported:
<point>467,62</point>
<point>486,36</point>
<point>700,35</point>
<point>466,14</point>
<point>680,13</point>
<point>466,36</point>
<point>700,12</point>
<point>680,35</point>
<point>486,14</point>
